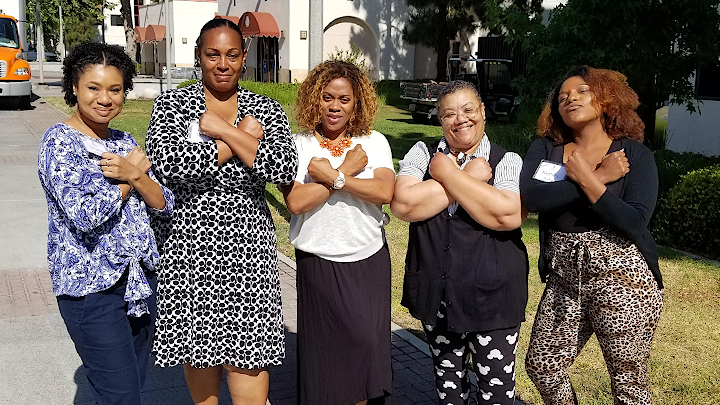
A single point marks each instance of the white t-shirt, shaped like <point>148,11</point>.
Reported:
<point>344,228</point>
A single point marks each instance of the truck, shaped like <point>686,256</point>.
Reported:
<point>497,64</point>
<point>14,70</point>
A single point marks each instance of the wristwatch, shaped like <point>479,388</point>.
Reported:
<point>339,182</point>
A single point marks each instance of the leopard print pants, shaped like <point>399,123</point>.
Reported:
<point>599,283</point>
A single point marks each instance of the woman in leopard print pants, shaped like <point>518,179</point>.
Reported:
<point>594,186</point>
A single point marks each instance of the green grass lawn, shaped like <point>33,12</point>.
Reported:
<point>684,364</point>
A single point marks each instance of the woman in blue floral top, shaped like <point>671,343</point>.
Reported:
<point>102,252</point>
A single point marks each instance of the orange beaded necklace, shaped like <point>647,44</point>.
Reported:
<point>336,150</point>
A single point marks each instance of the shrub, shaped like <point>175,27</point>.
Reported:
<point>355,55</point>
<point>671,165</point>
<point>388,93</point>
<point>284,93</point>
<point>187,83</point>
<point>689,215</point>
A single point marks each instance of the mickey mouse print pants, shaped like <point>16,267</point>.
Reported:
<point>490,354</point>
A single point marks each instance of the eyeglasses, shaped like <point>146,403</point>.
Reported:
<point>469,113</point>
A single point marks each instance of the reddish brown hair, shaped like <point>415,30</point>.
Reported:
<point>613,97</point>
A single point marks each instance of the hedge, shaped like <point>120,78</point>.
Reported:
<point>672,165</point>
<point>688,217</point>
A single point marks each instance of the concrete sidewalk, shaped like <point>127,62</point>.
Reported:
<point>38,362</point>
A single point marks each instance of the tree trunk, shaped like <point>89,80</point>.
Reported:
<point>441,64</point>
<point>646,111</point>
<point>443,47</point>
<point>130,45</point>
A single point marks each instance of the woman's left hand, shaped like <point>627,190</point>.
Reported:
<point>213,125</point>
<point>322,171</point>
<point>577,167</point>
<point>117,167</point>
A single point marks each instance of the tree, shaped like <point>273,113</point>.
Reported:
<point>130,44</point>
<point>657,44</point>
<point>80,18</point>
<point>434,23</point>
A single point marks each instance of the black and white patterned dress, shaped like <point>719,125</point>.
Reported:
<point>218,282</point>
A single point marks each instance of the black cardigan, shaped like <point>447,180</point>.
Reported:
<point>627,213</point>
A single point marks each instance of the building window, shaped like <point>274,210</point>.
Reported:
<point>707,83</point>
<point>116,20</point>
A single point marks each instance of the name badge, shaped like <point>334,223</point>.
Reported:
<point>195,135</point>
<point>96,148</point>
<point>550,172</point>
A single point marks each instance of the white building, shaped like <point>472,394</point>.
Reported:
<point>186,19</point>
<point>466,44</point>
<point>278,41</point>
<point>698,132</point>
<point>16,8</point>
<point>374,27</point>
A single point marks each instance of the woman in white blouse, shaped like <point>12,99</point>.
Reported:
<point>344,177</point>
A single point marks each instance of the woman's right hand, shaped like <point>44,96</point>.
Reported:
<point>355,161</point>
<point>252,126</point>
<point>442,165</point>
<point>613,166</point>
<point>322,171</point>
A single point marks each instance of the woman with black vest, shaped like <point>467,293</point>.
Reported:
<point>466,265</point>
<point>594,186</point>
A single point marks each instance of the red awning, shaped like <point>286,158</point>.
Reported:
<point>155,33</point>
<point>232,18</point>
<point>256,24</point>
<point>141,34</point>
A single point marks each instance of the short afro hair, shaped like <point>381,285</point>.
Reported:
<point>94,53</point>
<point>612,95</point>
<point>457,85</point>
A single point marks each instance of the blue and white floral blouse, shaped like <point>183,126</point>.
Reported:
<point>93,234</point>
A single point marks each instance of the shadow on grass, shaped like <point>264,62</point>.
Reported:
<point>400,145</point>
<point>419,333</point>
<point>670,254</point>
<point>530,223</point>
<point>403,120</point>
<point>279,205</point>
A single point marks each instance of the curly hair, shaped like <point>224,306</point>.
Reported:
<point>611,95</point>
<point>309,96</point>
<point>94,53</point>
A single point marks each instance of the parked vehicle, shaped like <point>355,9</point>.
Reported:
<point>496,64</point>
<point>14,71</point>
<point>493,81</point>
<point>31,56</point>
<point>423,97</point>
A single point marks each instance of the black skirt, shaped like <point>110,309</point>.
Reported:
<point>343,329</point>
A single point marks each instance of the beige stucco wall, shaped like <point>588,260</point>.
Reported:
<point>186,20</point>
<point>374,26</point>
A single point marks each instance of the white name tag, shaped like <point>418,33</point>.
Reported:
<point>195,135</point>
<point>96,148</point>
<point>550,172</point>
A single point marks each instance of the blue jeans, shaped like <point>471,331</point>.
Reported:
<point>113,346</point>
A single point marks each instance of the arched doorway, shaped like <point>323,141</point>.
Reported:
<point>345,33</point>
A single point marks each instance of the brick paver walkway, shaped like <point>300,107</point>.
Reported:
<point>412,367</point>
<point>26,292</point>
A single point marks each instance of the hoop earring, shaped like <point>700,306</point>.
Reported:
<point>244,69</point>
